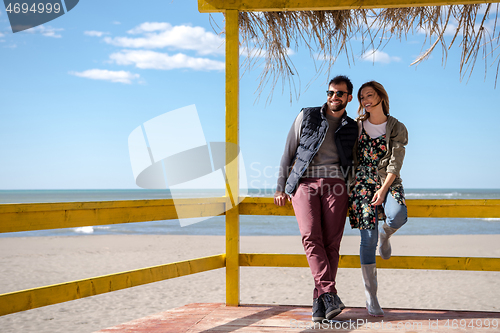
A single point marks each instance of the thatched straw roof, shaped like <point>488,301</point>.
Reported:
<point>329,33</point>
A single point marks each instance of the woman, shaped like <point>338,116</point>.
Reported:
<point>377,187</point>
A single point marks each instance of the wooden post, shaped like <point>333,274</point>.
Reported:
<point>232,136</point>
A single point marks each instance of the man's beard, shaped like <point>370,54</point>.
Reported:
<point>338,107</point>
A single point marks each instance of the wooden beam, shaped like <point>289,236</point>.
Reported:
<point>474,208</point>
<point>211,6</point>
<point>41,216</point>
<point>396,262</point>
<point>68,291</point>
<point>264,206</point>
<point>477,208</point>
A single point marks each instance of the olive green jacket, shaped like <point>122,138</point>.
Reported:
<point>397,138</point>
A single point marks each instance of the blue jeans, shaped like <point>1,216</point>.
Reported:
<point>396,214</point>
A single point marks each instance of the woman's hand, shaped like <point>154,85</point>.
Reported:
<point>379,197</point>
<point>280,198</point>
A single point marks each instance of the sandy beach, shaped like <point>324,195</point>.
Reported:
<point>38,261</point>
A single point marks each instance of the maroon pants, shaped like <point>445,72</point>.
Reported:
<point>320,206</point>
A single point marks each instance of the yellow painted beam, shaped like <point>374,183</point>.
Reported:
<point>480,208</point>
<point>232,136</point>
<point>290,260</point>
<point>477,208</point>
<point>396,262</point>
<point>441,263</point>
<point>211,6</point>
<point>40,216</point>
<point>264,206</point>
<point>273,260</point>
<point>63,292</point>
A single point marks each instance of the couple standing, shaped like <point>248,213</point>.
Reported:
<point>326,154</point>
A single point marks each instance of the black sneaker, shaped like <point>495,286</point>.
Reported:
<point>332,309</point>
<point>338,301</point>
<point>318,310</point>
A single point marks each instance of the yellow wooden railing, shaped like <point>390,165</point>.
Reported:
<point>40,216</point>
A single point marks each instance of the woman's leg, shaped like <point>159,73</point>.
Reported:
<point>368,245</point>
<point>367,249</point>
<point>397,215</point>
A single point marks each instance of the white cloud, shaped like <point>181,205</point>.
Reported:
<point>156,60</point>
<point>102,74</point>
<point>258,53</point>
<point>150,27</point>
<point>482,8</point>
<point>489,25</point>
<point>116,22</point>
<point>94,33</point>
<point>1,35</point>
<point>45,31</point>
<point>378,56</point>
<point>324,57</point>
<point>161,35</point>
<point>451,28</point>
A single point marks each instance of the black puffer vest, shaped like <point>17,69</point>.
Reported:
<point>313,132</point>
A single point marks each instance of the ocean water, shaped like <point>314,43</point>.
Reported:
<point>249,225</point>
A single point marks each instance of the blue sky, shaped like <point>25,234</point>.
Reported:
<point>72,90</point>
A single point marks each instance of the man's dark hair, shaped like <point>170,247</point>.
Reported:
<point>342,78</point>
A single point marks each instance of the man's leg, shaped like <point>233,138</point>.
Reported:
<point>307,206</point>
<point>334,202</point>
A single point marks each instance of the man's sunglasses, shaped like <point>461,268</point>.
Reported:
<point>338,93</point>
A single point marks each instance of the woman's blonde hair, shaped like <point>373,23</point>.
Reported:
<point>382,94</point>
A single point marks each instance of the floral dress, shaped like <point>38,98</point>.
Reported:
<point>362,214</point>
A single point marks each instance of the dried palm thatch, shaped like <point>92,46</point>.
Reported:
<point>328,34</point>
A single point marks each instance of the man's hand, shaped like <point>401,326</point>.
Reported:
<point>280,198</point>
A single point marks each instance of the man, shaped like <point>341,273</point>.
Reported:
<point>313,170</point>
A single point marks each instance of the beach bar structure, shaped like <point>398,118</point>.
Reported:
<point>40,216</point>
